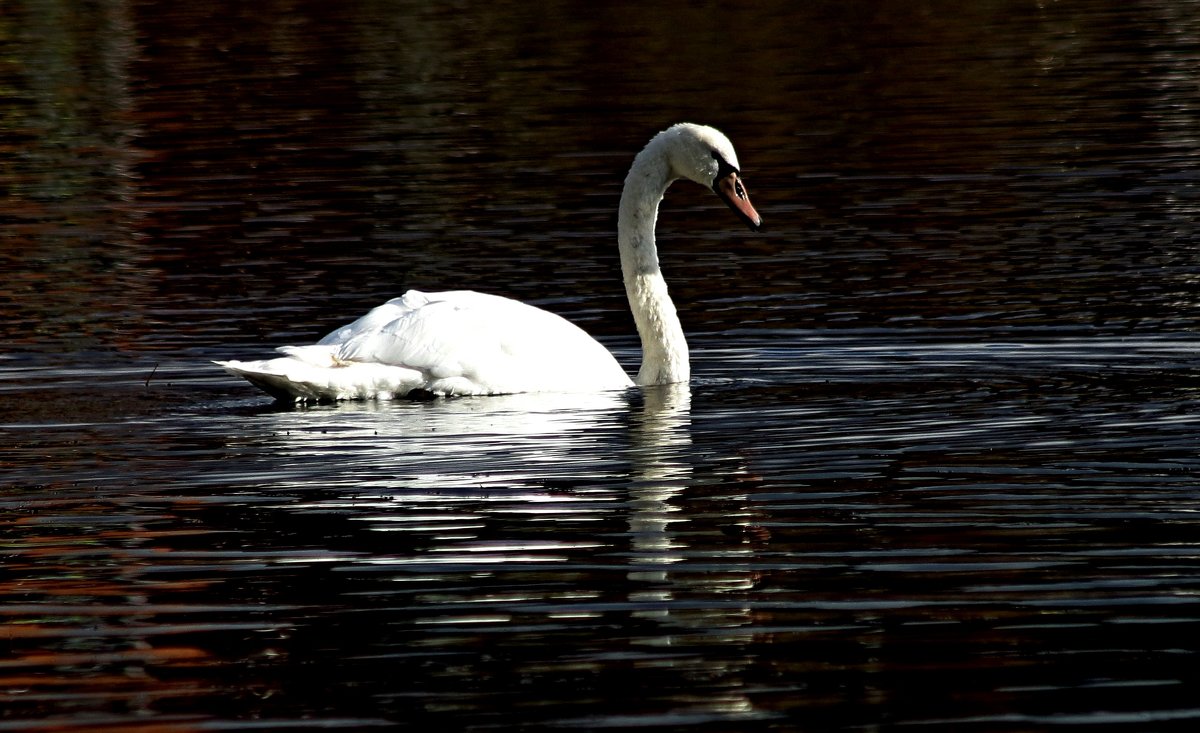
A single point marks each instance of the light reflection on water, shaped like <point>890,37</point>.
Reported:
<point>630,538</point>
<point>624,483</point>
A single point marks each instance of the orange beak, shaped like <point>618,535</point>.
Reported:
<point>729,187</point>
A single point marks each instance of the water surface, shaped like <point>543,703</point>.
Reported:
<point>937,467</point>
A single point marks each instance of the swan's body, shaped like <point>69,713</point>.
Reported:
<point>463,342</point>
<point>458,342</point>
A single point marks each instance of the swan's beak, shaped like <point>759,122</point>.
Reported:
<point>729,187</point>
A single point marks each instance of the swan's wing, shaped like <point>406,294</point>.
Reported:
<point>441,334</point>
<point>468,342</point>
<point>377,317</point>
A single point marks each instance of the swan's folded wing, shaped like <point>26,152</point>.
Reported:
<point>464,341</point>
<point>439,338</point>
<point>377,317</point>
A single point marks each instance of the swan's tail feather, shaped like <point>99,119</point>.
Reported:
<point>318,355</point>
<point>305,373</point>
<point>276,384</point>
<point>290,379</point>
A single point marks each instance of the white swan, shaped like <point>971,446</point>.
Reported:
<point>467,343</point>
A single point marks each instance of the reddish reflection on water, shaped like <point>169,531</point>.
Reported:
<point>937,467</point>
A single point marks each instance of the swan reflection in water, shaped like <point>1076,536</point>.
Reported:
<point>397,453</point>
<point>545,486</point>
<point>672,583</point>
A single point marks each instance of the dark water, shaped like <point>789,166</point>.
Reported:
<point>938,468</point>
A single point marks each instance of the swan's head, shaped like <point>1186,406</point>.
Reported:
<point>704,155</point>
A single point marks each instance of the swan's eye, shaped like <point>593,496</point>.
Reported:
<point>723,167</point>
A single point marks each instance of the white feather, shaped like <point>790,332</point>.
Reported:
<point>468,343</point>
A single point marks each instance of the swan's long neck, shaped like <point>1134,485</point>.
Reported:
<point>664,348</point>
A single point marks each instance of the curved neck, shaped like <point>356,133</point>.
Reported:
<point>664,348</point>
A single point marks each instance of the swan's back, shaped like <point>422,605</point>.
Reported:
<point>464,341</point>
